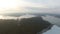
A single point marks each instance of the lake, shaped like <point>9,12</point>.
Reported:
<point>54,20</point>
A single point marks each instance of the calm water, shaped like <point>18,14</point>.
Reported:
<point>55,29</point>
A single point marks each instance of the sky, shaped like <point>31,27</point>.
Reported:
<point>29,6</point>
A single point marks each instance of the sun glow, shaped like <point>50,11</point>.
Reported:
<point>15,6</point>
<point>7,4</point>
<point>11,6</point>
<point>1,17</point>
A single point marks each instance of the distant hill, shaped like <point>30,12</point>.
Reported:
<point>37,14</point>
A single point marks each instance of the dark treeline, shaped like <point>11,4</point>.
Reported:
<point>8,26</point>
<point>27,26</point>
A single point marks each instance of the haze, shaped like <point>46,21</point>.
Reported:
<point>22,6</point>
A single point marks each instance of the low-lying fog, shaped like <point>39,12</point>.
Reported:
<point>54,20</point>
<point>12,17</point>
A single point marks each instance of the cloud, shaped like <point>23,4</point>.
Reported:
<point>48,3</point>
<point>32,10</point>
<point>29,4</point>
<point>34,6</point>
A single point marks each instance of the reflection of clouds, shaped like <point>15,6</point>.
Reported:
<point>55,30</point>
<point>52,20</point>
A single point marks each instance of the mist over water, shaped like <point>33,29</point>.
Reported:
<point>7,17</point>
<point>13,17</point>
<point>54,20</point>
<point>54,30</point>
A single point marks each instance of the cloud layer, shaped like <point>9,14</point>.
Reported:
<point>39,6</point>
